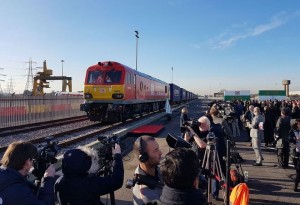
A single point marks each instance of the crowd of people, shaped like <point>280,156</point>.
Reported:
<point>276,124</point>
<point>178,178</point>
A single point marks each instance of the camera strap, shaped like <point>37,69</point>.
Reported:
<point>57,189</point>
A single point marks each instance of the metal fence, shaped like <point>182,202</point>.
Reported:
<point>20,110</point>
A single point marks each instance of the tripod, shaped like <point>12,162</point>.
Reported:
<point>105,170</point>
<point>211,162</point>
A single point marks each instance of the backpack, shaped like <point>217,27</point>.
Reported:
<point>240,195</point>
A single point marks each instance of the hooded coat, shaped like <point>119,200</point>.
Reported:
<point>78,186</point>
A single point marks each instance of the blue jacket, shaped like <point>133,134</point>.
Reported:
<point>16,189</point>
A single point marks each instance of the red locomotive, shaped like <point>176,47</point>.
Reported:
<point>115,92</point>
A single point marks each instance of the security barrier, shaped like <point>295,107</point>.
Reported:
<point>20,109</point>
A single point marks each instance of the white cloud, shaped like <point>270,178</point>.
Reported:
<point>223,40</point>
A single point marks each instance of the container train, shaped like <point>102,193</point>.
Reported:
<point>116,92</point>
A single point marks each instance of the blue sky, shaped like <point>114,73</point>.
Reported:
<point>211,45</point>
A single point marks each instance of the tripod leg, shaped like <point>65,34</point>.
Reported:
<point>112,198</point>
<point>209,189</point>
<point>206,164</point>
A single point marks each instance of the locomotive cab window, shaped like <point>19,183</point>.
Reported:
<point>113,76</point>
<point>96,77</point>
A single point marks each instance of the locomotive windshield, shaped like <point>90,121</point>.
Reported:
<point>113,76</point>
<point>96,77</point>
<point>104,77</point>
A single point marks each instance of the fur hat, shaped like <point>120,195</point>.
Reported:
<point>82,160</point>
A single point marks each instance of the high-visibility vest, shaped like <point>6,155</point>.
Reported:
<point>240,195</point>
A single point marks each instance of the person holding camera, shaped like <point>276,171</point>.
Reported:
<point>180,171</point>
<point>207,125</point>
<point>149,155</point>
<point>15,188</point>
<point>80,183</point>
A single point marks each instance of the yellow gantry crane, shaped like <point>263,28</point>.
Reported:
<point>40,81</point>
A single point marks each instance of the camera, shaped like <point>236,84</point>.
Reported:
<point>211,138</point>
<point>194,124</point>
<point>105,151</point>
<point>143,180</point>
<point>184,129</point>
<point>47,152</point>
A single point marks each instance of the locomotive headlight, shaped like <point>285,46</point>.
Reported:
<point>118,96</point>
<point>88,96</point>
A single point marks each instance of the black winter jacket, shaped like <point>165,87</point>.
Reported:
<point>283,127</point>
<point>172,196</point>
<point>83,189</point>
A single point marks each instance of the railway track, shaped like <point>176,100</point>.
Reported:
<point>73,136</point>
<point>42,125</point>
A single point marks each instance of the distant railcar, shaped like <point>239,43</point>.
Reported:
<point>183,95</point>
<point>174,94</point>
<point>115,92</point>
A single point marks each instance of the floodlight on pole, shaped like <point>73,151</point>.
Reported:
<point>62,67</point>
<point>136,49</point>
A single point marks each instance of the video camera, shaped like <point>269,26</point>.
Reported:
<point>194,124</point>
<point>105,151</point>
<point>47,152</point>
<point>143,180</point>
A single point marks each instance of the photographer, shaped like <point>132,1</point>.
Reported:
<point>17,162</point>
<point>149,155</point>
<point>180,171</point>
<point>198,137</point>
<point>206,125</point>
<point>214,112</point>
<point>80,183</point>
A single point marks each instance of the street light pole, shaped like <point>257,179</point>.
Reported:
<point>136,50</point>
<point>62,74</point>
<point>62,67</point>
<point>172,76</point>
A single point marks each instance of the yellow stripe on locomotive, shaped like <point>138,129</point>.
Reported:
<point>104,92</point>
